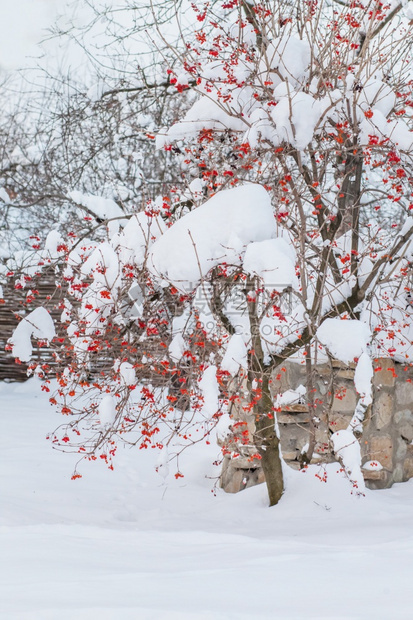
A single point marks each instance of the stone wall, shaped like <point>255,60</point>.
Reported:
<point>387,429</point>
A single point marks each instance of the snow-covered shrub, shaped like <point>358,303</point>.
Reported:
<point>291,235</point>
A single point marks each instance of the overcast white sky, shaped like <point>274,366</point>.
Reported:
<point>24,24</point>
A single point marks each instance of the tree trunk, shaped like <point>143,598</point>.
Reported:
<point>265,437</point>
<point>267,444</point>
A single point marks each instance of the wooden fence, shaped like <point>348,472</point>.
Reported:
<point>14,306</point>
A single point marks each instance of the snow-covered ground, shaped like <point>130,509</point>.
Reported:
<point>122,545</point>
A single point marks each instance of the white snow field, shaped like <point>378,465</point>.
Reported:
<point>124,545</point>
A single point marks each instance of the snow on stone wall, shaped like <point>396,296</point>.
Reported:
<point>386,443</point>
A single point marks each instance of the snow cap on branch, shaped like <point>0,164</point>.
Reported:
<point>345,340</point>
<point>274,261</point>
<point>39,324</point>
<point>217,232</point>
<point>235,355</point>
